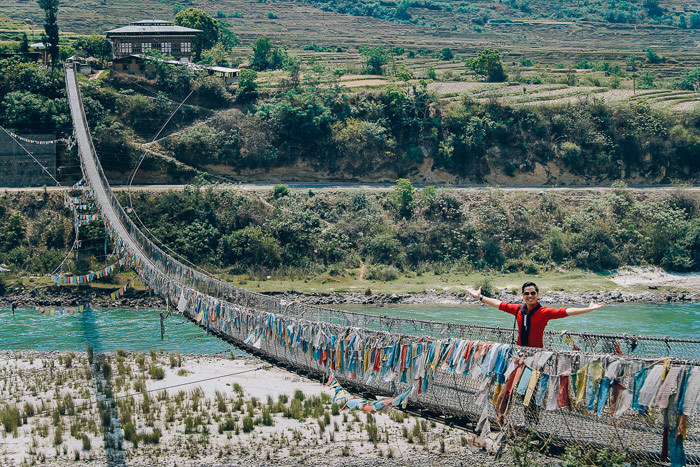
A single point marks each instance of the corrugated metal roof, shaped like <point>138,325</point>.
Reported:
<point>222,69</point>
<point>134,29</point>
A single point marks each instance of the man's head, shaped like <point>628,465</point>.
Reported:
<point>530,293</point>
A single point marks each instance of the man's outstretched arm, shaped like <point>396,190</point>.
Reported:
<point>580,311</point>
<point>482,298</point>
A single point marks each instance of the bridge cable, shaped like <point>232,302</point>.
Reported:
<point>131,180</point>
<point>32,156</point>
<point>41,282</point>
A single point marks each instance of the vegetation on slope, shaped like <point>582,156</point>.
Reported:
<point>297,233</point>
<point>481,12</point>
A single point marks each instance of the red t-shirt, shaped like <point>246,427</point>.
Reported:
<point>538,321</point>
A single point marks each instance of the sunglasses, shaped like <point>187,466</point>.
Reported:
<point>529,293</point>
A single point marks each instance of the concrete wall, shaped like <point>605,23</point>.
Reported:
<point>18,169</point>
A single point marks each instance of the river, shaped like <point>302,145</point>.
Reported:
<point>139,330</point>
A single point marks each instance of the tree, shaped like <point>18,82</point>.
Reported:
<point>690,80</point>
<point>653,57</point>
<point>266,56</point>
<point>403,197</point>
<point>446,54</point>
<point>217,55</point>
<point>50,38</point>
<point>488,65</point>
<point>197,19</point>
<point>250,246</point>
<point>94,46</point>
<point>226,36</point>
<point>402,11</point>
<point>24,44</point>
<point>247,87</point>
<point>653,8</point>
<point>695,21</point>
<point>375,58</point>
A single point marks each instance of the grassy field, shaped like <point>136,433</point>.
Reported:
<point>570,281</point>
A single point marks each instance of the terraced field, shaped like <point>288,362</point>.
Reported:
<point>296,24</point>
<point>536,50</point>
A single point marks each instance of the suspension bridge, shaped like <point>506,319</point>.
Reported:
<point>623,392</point>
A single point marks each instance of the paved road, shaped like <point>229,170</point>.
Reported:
<point>362,186</point>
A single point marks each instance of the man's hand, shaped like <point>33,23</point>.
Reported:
<point>579,311</point>
<point>474,293</point>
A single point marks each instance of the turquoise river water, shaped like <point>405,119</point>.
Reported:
<point>139,330</point>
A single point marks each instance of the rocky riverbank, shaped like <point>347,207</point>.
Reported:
<point>99,298</point>
<point>463,298</point>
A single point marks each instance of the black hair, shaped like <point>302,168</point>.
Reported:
<point>530,284</point>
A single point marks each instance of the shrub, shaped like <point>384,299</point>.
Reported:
<point>280,191</point>
<point>151,438</point>
<point>267,417</point>
<point>86,442</point>
<point>383,273</point>
<point>156,372</point>
<point>248,425</point>
<point>250,246</point>
<point>10,418</point>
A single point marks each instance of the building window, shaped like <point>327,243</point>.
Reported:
<point>186,47</point>
<point>145,47</point>
<point>166,47</point>
<point>125,48</point>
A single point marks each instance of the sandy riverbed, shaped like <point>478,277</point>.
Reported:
<point>205,410</point>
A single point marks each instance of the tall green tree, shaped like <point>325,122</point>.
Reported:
<point>488,65</point>
<point>198,19</point>
<point>266,56</point>
<point>95,46</point>
<point>50,37</point>
<point>375,59</point>
<point>24,44</point>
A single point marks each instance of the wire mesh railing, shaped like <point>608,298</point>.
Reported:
<point>245,318</point>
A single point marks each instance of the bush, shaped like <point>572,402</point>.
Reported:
<point>384,248</point>
<point>151,438</point>
<point>10,418</point>
<point>695,21</point>
<point>156,372</point>
<point>280,191</point>
<point>212,90</point>
<point>250,246</point>
<point>3,285</point>
<point>86,442</point>
<point>383,273</point>
<point>248,425</point>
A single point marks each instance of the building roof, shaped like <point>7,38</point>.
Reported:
<point>37,45</point>
<point>153,26</point>
<point>221,69</point>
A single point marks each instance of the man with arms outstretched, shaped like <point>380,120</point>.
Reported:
<point>532,317</point>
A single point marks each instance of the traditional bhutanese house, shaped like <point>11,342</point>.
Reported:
<point>141,36</point>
